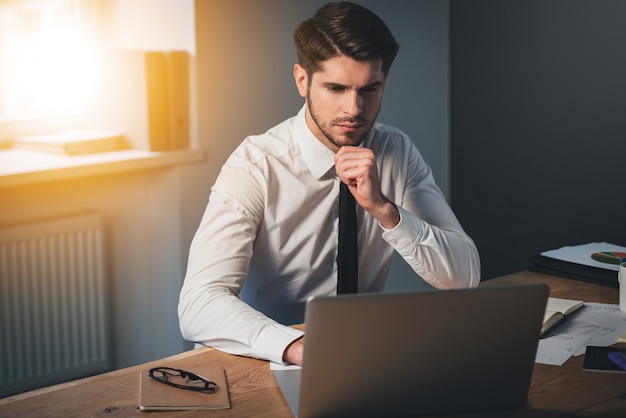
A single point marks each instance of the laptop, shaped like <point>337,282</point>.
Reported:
<point>417,353</point>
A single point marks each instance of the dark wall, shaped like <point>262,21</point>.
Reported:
<point>538,125</point>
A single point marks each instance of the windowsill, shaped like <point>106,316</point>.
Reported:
<point>21,166</point>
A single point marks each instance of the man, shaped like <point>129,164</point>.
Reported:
<point>268,239</point>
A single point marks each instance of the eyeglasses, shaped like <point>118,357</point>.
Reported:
<point>182,379</point>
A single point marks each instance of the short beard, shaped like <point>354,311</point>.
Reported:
<point>334,140</point>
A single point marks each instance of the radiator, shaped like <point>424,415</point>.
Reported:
<point>53,302</point>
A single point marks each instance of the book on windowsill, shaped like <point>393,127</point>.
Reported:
<point>557,311</point>
<point>157,396</point>
<point>74,142</point>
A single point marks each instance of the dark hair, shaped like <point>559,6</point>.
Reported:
<point>344,29</point>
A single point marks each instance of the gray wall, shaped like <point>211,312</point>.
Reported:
<point>245,57</point>
<point>538,111</point>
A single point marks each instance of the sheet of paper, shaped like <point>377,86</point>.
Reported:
<point>278,366</point>
<point>581,254</point>
<point>558,349</point>
<point>603,314</point>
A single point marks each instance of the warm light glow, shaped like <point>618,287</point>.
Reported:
<point>58,73</point>
<point>48,64</point>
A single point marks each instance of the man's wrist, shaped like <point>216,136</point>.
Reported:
<point>293,352</point>
<point>389,215</point>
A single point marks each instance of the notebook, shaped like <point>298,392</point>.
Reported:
<point>417,353</point>
<point>156,396</point>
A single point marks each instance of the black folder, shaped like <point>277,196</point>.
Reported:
<point>554,267</point>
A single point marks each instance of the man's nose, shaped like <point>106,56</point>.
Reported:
<point>353,105</point>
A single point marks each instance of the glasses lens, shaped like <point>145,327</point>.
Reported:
<point>182,379</point>
<point>186,380</point>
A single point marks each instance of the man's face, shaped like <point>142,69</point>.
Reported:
<point>343,99</point>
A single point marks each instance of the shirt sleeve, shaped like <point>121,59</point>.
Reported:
<point>210,310</point>
<point>429,237</point>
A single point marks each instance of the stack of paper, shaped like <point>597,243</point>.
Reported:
<point>596,262</point>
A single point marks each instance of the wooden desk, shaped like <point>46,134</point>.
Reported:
<point>555,391</point>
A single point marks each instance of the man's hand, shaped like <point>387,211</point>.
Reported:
<point>356,166</point>
<point>293,352</point>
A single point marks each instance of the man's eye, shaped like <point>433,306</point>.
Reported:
<point>371,89</point>
<point>336,89</point>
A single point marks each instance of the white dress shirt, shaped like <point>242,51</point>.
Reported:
<point>268,238</point>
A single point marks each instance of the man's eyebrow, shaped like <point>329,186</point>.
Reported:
<point>373,84</point>
<point>333,84</point>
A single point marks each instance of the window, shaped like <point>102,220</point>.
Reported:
<point>60,70</point>
<point>47,58</point>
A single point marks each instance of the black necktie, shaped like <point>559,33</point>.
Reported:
<point>347,256</point>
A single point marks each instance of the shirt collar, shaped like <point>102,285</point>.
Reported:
<point>317,156</point>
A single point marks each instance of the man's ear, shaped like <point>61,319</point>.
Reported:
<point>301,78</point>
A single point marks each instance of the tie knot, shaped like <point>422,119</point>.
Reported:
<point>346,200</point>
